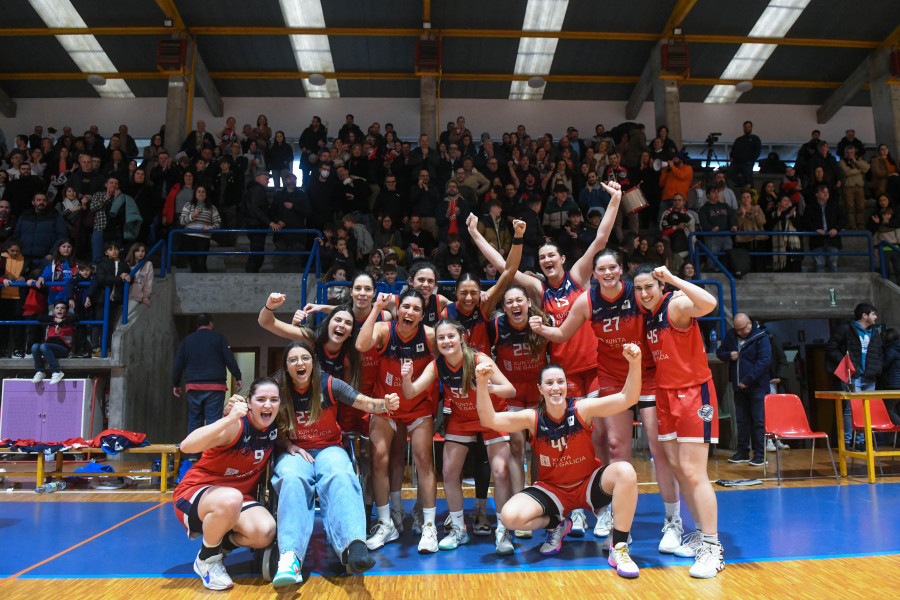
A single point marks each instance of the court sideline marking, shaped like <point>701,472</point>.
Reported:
<point>82,543</point>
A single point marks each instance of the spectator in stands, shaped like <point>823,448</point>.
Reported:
<point>347,127</point>
<point>197,140</point>
<point>201,217</point>
<point>890,372</point>
<point>7,220</point>
<point>451,213</point>
<point>556,213</point>
<point>825,218</point>
<point>676,224</point>
<point>676,177</point>
<point>56,343</point>
<point>425,199</point>
<point>768,196</point>
<point>289,210</point>
<point>56,272</point>
<point>100,205</point>
<point>772,164</point>
<point>861,341</point>
<point>784,217</point>
<point>84,302</point>
<point>40,229</point>
<point>495,230</point>
<point>320,188</point>
<point>202,358</point>
<point>312,139</point>
<point>883,224</point>
<point>255,215</point>
<point>142,281</point>
<point>424,157</point>
<point>362,238</point>
<point>751,217</point>
<point>850,140</point>
<point>744,152</point>
<point>717,216</point>
<point>151,152</point>
<point>13,269</point>
<point>530,212</point>
<point>883,166</point>
<point>391,203</point>
<point>853,172</point>
<point>822,158</point>
<point>419,242</point>
<point>24,187</point>
<point>747,351</point>
<point>281,158</point>
<point>818,177</point>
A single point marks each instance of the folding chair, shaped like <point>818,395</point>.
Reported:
<point>881,423</point>
<point>786,419</point>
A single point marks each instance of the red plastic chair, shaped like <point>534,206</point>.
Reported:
<point>881,422</point>
<point>786,419</point>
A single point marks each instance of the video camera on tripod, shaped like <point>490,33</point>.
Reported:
<point>712,138</point>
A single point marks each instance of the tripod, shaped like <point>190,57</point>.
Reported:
<point>710,155</point>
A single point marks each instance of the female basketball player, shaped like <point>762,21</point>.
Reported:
<point>569,475</point>
<point>215,499</point>
<point>685,402</point>
<point>613,312</point>
<point>455,368</point>
<point>315,463</point>
<point>403,340</point>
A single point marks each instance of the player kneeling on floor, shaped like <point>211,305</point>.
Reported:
<point>215,498</point>
<point>569,476</point>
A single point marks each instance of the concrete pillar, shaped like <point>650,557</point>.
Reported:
<point>667,108</point>
<point>428,110</point>
<point>176,112</point>
<point>885,101</point>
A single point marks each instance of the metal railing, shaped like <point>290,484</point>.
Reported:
<point>699,247</point>
<point>159,246</point>
<point>882,246</point>
<point>870,253</point>
<point>315,233</point>
<point>52,284</point>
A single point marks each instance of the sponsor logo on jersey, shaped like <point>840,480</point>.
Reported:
<point>273,434</point>
<point>247,439</point>
<point>571,420</point>
<point>229,472</point>
<point>545,460</point>
<point>420,347</point>
<point>626,305</point>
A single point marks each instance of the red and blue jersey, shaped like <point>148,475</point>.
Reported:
<point>325,431</point>
<point>514,352</point>
<point>461,403</point>
<point>392,355</point>
<point>333,364</point>
<point>679,354</point>
<point>431,313</point>
<point>564,448</point>
<point>580,352</point>
<point>617,322</point>
<point>368,369</point>
<point>238,464</point>
<point>475,323</point>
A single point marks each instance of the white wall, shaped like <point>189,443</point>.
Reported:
<point>773,123</point>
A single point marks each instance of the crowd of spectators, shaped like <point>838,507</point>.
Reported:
<point>382,200</point>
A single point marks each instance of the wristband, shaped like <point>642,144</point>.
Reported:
<point>267,308</point>
<point>518,241</point>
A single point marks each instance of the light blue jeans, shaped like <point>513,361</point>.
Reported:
<point>857,385</point>
<point>297,481</point>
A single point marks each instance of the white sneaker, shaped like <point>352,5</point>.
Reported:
<point>671,539</point>
<point>456,538</point>
<point>504,543</point>
<point>212,572</point>
<point>689,545</point>
<point>56,377</point>
<point>38,377</point>
<point>480,524</point>
<point>770,445</point>
<point>384,533</point>
<point>397,516</point>
<point>523,534</point>
<point>781,445</point>
<point>288,570</point>
<point>428,543</point>
<point>709,561</point>
<point>579,523</point>
<point>555,538</point>
<point>621,560</point>
<point>604,523</point>
<point>418,517</point>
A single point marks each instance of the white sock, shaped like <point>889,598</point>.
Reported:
<point>480,505</point>
<point>710,538</point>
<point>500,525</point>
<point>395,500</point>
<point>428,515</point>
<point>456,516</point>
<point>384,513</point>
<point>673,510</point>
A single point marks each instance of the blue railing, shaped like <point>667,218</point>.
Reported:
<point>51,284</point>
<point>214,232</point>
<point>159,246</point>
<point>700,248</point>
<point>870,253</point>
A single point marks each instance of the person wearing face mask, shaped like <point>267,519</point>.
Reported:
<point>320,189</point>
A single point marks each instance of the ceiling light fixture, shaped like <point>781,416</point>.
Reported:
<point>535,56</point>
<point>311,52</point>
<point>317,79</point>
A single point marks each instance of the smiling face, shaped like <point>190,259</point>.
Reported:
<point>340,327</point>
<point>264,403</point>
<point>425,281</point>
<point>468,294</point>
<point>448,340</point>
<point>608,272</point>
<point>410,312</point>
<point>299,366</point>
<point>553,387</point>
<point>551,262</point>
<point>515,305</point>
<point>648,290</point>
<point>362,293</point>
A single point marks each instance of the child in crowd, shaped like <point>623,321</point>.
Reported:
<point>342,255</point>
<point>113,273</point>
<point>337,294</point>
<point>364,243</point>
<point>391,258</point>
<point>389,275</point>
<point>141,282</point>
<point>12,270</point>
<point>83,302</point>
<point>57,342</point>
